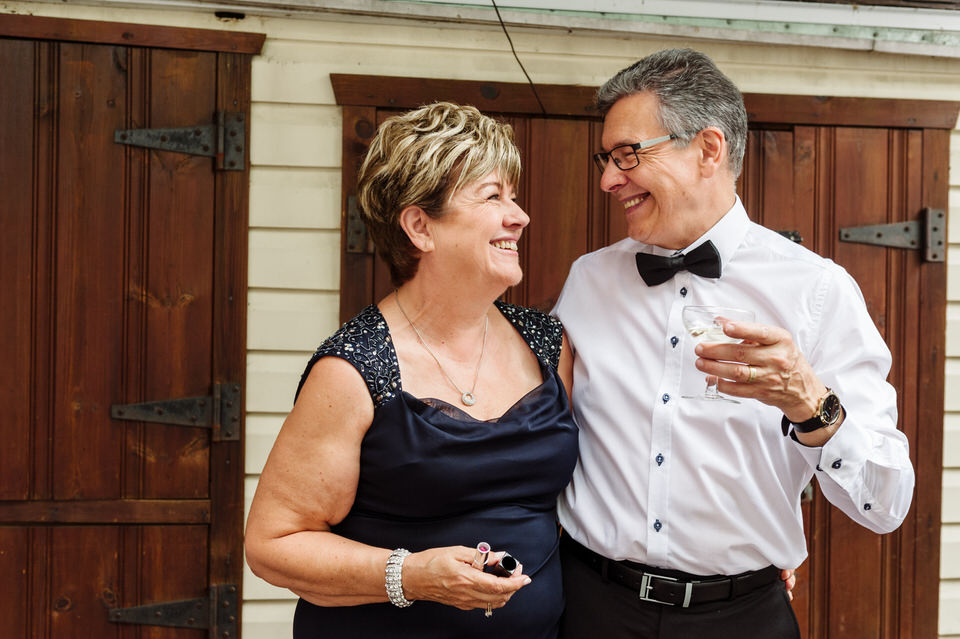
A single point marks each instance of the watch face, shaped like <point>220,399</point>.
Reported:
<point>830,410</point>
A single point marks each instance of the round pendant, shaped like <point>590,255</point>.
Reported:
<point>468,399</point>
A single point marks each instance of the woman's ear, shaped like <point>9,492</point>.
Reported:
<point>713,151</point>
<point>416,224</point>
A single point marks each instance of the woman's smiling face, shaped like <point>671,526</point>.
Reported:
<point>477,235</point>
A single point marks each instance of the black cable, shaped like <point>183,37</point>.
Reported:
<point>517,58</point>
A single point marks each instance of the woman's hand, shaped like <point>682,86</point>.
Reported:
<point>445,575</point>
<point>790,580</point>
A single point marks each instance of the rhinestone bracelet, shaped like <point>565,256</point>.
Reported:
<point>395,578</point>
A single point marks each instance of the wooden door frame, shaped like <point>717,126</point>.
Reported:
<point>231,219</point>
<point>360,96</point>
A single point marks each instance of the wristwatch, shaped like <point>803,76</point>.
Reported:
<point>828,412</point>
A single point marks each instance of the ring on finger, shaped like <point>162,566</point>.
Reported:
<point>753,374</point>
<point>489,611</point>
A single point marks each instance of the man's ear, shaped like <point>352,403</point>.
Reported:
<point>416,224</point>
<point>713,151</point>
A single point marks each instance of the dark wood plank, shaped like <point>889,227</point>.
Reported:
<point>120,511</point>
<point>558,202</point>
<point>869,112</point>
<point>356,269</point>
<point>499,97</point>
<point>167,568</point>
<point>607,223</point>
<point>83,573</point>
<point>928,445</point>
<point>864,160</point>
<point>129,34</point>
<point>17,246</point>
<point>178,299</point>
<point>902,323</point>
<point>36,601</point>
<point>229,345</point>
<point>136,163</point>
<point>15,570</point>
<point>88,447</point>
<point>577,101</point>
<point>46,130</point>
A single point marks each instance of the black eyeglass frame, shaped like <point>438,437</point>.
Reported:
<point>603,158</point>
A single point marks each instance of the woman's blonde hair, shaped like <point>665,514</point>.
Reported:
<point>421,158</point>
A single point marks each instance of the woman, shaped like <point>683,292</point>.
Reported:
<point>430,422</point>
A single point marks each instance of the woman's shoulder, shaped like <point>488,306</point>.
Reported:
<point>543,333</point>
<point>364,341</point>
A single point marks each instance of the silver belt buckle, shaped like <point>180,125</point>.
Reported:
<point>646,587</point>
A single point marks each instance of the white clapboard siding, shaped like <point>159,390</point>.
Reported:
<point>950,553</point>
<point>256,588</point>
<point>261,430</point>
<point>283,320</point>
<point>951,441</point>
<point>949,609</point>
<point>294,135</point>
<point>953,328</point>
<point>294,259</point>
<point>951,496</point>
<point>287,197</point>
<point>952,399</point>
<point>267,619</point>
<point>272,379</point>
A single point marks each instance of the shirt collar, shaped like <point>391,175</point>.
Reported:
<point>726,235</point>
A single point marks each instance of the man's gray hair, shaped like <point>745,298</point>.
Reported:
<point>693,94</point>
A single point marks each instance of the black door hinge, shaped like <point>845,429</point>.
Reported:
<point>927,234</point>
<point>217,613</point>
<point>220,411</point>
<point>225,140</point>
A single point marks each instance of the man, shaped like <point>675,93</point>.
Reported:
<point>670,489</point>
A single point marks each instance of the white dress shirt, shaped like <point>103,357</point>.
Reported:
<point>714,487</point>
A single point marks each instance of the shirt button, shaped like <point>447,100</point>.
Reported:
<point>683,292</point>
<point>867,506</point>
<point>836,464</point>
<point>657,525</point>
<point>674,341</point>
<point>659,459</point>
<point>665,398</point>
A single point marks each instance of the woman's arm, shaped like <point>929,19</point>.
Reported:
<point>309,483</point>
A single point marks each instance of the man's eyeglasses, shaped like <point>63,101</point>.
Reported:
<point>625,156</point>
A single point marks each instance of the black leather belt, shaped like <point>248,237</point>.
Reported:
<point>655,586</point>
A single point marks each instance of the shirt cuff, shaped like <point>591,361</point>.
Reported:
<point>842,457</point>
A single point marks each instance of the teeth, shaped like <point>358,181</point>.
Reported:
<point>509,245</point>
<point>634,201</point>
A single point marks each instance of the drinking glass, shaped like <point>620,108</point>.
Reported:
<point>704,323</point>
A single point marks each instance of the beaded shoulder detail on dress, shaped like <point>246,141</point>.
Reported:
<point>364,342</point>
<point>542,333</point>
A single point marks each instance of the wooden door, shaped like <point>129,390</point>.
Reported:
<point>124,281</point>
<point>813,166</point>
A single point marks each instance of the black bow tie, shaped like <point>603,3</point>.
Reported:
<point>657,269</point>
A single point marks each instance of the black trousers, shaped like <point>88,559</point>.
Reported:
<point>600,608</point>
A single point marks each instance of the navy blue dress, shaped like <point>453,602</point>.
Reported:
<point>432,476</point>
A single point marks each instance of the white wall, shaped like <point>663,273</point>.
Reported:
<point>295,186</point>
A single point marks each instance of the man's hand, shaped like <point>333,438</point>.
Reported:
<point>769,367</point>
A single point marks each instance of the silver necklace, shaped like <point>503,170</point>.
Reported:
<point>467,397</point>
